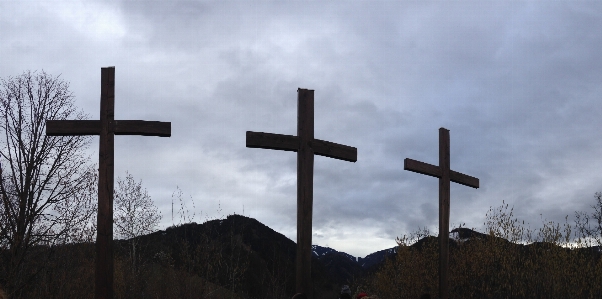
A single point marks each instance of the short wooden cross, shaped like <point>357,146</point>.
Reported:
<point>445,175</point>
<point>306,146</point>
<point>106,127</point>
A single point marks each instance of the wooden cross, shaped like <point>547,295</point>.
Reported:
<point>306,146</point>
<point>445,175</point>
<point>106,127</point>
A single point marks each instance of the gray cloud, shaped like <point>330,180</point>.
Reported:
<point>516,83</point>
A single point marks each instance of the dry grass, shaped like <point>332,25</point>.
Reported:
<point>554,264</point>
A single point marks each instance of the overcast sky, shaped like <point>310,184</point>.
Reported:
<point>518,85</point>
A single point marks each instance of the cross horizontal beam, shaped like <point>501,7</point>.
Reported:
<point>306,146</point>
<point>291,143</point>
<point>334,150</point>
<point>120,127</point>
<point>435,171</point>
<point>72,127</point>
<point>272,141</point>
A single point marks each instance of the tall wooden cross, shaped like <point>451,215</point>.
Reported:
<point>306,146</point>
<point>445,175</point>
<point>106,127</point>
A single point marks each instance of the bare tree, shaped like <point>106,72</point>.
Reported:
<point>41,178</point>
<point>78,212</point>
<point>135,214</point>
<point>589,226</point>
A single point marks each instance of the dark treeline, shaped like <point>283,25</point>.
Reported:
<point>238,257</point>
<point>509,260</point>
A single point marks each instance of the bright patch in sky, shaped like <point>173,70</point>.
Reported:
<point>96,21</point>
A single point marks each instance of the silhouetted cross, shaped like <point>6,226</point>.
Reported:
<point>306,146</point>
<point>445,175</point>
<point>106,127</point>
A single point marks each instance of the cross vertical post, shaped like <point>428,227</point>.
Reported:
<point>104,235</point>
<point>107,127</point>
<point>305,189</point>
<point>445,175</point>
<point>444,199</point>
<point>306,146</point>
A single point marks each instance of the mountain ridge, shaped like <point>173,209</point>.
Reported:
<point>268,257</point>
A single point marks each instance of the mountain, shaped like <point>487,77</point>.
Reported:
<point>243,255</point>
<point>346,266</point>
<point>238,252</point>
<point>237,257</point>
<point>377,258</point>
<point>264,258</point>
<point>340,266</point>
<point>319,251</point>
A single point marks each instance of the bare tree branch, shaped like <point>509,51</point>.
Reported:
<point>44,182</point>
<point>135,214</point>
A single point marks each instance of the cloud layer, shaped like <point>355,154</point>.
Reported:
<point>516,83</point>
